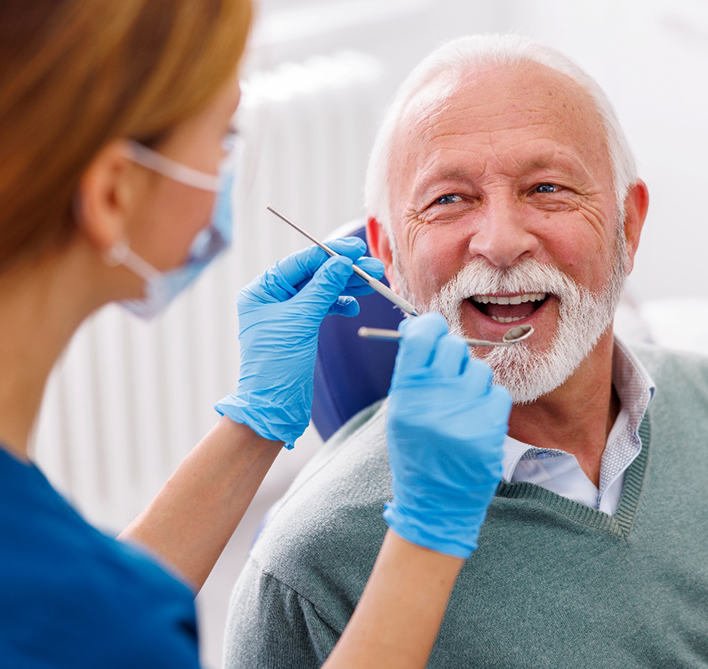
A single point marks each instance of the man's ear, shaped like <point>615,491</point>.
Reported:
<point>380,247</point>
<point>636,205</point>
<point>103,200</point>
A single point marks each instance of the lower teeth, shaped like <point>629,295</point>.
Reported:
<point>501,319</point>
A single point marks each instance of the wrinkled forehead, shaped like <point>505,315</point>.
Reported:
<point>503,106</point>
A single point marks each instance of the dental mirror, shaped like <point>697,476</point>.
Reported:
<point>517,334</point>
<point>513,336</point>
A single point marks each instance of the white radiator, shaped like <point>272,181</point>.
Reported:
<point>129,399</point>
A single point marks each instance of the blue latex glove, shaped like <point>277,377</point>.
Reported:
<point>279,314</point>
<point>446,426</point>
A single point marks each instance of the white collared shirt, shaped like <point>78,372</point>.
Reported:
<point>560,472</point>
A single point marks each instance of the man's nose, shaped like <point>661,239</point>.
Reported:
<point>502,236</point>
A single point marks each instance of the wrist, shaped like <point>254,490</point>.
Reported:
<point>435,532</point>
<point>264,420</point>
<point>408,551</point>
<point>244,434</point>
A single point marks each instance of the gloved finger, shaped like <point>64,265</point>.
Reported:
<point>403,325</point>
<point>345,306</point>
<point>294,270</point>
<point>299,267</point>
<point>356,285</point>
<point>352,247</point>
<point>355,248</point>
<point>451,354</point>
<point>478,377</point>
<point>372,266</point>
<point>501,399</point>
<point>493,410</point>
<point>267,288</point>
<point>271,286</point>
<point>417,346</point>
<point>324,288</point>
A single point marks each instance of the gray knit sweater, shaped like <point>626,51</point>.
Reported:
<point>552,584</point>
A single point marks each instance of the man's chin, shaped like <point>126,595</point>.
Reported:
<point>532,368</point>
<point>529,374</point>
<point>525,373</point>
<point>528,370</point>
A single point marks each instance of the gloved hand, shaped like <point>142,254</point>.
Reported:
<point>280,313</point>
<point>446,426</point>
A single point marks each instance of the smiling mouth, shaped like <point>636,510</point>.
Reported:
<point>508,308</point>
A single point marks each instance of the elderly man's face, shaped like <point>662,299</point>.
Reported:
<point>505,167</point>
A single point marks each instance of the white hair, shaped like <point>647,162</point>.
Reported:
<point>466,54</point>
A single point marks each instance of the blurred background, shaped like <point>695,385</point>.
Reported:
<point>130,399</point>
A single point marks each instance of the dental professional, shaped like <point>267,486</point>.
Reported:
<point>115,184</point>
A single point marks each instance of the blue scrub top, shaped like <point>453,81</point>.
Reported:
<point>73,597</point>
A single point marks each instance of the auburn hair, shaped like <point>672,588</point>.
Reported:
<point>77,74</point>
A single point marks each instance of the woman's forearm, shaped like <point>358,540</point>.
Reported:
<point>398,617</point>
<point>192,518</point>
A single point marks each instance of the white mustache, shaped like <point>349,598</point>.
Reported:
<point>478,277</point>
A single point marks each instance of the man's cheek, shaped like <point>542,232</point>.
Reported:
<point>433,274</point>
<point>438,259</point>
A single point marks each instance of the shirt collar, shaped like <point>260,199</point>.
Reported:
<point>635,389</point>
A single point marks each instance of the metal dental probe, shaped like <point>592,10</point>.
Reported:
<point>379,287</point>
<point>513,336</point>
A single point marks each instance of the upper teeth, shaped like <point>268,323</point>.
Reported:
<point>512,299</point>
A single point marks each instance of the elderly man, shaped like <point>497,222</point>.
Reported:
<point>501,190</point>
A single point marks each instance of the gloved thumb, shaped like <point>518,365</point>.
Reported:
<point>417,347</point>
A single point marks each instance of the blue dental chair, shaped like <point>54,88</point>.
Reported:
<point>350,372</point>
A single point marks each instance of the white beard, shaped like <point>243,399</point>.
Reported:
<point>583,318</point>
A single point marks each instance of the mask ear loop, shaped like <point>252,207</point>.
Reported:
<point>121,254</point>
<point>117,254</point>
<point>172,169</point>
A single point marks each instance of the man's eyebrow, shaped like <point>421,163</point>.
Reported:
<point>568,164</point>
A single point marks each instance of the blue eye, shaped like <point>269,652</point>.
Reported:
<point>448,199</point>
<point>547,188</point>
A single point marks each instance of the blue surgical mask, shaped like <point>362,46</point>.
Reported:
<point>162,287</point>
